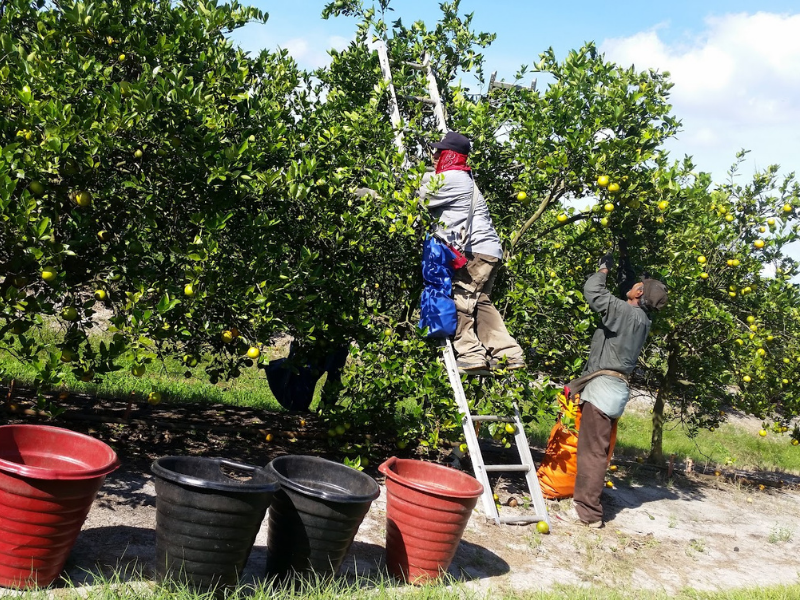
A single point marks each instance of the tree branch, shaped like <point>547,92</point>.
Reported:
<point>552,197</point>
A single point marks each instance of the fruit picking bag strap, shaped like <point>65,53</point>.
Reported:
<point>466,231</point>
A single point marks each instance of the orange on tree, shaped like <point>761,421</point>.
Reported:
<point>36,188</point>
<point>49,274</point>
<point>69,313</point>
<point>253,352</point>
<point>154,398</point>
<point>613,188</point>
<point>602,181</point>
<point>83,199</point>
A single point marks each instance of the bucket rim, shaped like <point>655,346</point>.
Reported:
<point>387,468</point>
<point>45,473</point>
<point>244,487</point>
<point>323,494</point>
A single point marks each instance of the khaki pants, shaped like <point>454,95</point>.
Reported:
<point>481,333</point>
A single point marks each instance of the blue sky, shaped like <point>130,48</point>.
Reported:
<point>735,64</point>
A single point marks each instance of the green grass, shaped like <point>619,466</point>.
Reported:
<point>729,445</point>
<point>250,389</point>
<point>386,589</point>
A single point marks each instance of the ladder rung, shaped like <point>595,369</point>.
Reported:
<point>492,418</point>
<point>521,520</point>
<point>419,99</point>
<point>501,468</point>
<point>417,66</point>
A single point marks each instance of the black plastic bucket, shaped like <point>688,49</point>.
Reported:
<point>315,515</point>
<point>206,520</point>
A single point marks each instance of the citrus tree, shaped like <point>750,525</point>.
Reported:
<point>592,137</point>
<point>182,197</point>
<point>729,334</point>
<point>531,150</point>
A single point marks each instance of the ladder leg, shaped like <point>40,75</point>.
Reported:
<point>526,458</point>
<point>470,432</point>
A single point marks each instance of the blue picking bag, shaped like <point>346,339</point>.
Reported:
<point>437,307</point>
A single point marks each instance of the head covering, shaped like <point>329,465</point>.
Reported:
<point>654,295</point>
<point>450,160</point>
<point>454,141</point>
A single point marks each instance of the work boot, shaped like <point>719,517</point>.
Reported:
<point>472,366</point>
<point>510,364</point>
<point>571,516</point>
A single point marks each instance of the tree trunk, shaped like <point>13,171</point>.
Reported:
<point>656,456</point>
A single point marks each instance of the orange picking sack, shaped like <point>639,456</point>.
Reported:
<point>560,463</point>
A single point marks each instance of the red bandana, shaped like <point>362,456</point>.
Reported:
<point>450,160</point>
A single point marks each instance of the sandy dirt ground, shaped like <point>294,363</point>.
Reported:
<point>692,530</point>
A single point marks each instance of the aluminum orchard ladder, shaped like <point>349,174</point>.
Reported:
<point>469,421</point>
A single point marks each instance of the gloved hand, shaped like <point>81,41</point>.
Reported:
<point>607,262</point>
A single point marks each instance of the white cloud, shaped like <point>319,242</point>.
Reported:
<point>737,85</point>
<point>312,53</point>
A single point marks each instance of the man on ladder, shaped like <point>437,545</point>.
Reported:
<point>481,341</point>
<point>460,207</point>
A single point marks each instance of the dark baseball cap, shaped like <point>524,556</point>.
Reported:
<point>454,141</point>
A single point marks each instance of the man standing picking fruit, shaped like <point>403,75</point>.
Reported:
<point>481,339</point>
<point>603,386</point>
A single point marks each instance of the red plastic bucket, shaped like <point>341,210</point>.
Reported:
<point>427,508</point>
<point>49,478</point>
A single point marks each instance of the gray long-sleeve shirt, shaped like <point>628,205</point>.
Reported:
<point>618,341</point>
<point>450,203</point>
